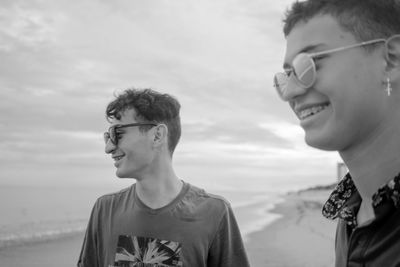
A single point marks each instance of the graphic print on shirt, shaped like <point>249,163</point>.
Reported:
<point>135,251</point>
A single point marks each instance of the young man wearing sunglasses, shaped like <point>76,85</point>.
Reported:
<point>160,220</point>
<point>342,79</point>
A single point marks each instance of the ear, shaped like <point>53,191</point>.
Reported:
<point>160,134</point>
<point>393,53</point>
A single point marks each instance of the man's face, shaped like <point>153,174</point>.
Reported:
<point>346,104</point>
<point>133,156</point>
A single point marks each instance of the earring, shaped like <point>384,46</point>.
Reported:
<point>388,86</point>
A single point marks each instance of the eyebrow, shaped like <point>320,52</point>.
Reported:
<point>306,49</point>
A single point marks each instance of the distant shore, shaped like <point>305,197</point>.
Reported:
<point>300,237</point>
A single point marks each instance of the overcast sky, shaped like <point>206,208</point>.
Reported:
<point>62,61</point>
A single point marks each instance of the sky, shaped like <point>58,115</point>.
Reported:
<point>62,62</point>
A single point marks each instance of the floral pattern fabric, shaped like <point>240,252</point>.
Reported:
<point>337,206</point>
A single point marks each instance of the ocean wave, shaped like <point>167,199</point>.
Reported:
<point>33,232</point>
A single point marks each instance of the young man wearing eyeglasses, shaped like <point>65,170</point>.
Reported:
<point>342,79</point>
<point>160,220</point>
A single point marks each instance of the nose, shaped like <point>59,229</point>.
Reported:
<point>292,90</point>
<point>110,147</point>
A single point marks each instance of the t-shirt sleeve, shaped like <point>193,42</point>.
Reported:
<point>227,249</point>
<point>89,252</point>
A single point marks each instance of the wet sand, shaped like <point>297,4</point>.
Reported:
<point>301,237</point>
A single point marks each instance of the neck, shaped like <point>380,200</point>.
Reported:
<point>375,161</point>
<point>159,187</point>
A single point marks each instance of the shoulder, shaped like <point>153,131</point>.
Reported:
<point>202,201</point>
<point>115,197</point>
<point>206,196</point>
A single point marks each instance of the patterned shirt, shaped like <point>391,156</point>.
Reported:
<point>344,202</point>
<point>374,244</point>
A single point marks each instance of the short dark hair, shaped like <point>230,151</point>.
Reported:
<point>150,106</point>
<point>365,19</point>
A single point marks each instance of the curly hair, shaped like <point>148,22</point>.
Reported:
<point>150,106</point>
<point>365,19</point>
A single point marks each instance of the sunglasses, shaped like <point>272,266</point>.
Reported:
<point>303,71</point>
<point>112,133</point>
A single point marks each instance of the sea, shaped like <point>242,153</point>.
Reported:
<point>30,214</point>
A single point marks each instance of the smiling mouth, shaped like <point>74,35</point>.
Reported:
<point>118,158</point>
<point>308,112</point>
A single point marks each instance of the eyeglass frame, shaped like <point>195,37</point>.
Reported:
<point>321,53</point>
<point>112,130</point>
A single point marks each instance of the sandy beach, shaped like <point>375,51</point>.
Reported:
<point>301,237</point>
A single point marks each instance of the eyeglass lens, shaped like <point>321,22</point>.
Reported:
<point>303,66</point>
<point>303,72</point>
<point>304,69</point>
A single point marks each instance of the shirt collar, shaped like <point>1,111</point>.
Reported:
<point>345,199</point>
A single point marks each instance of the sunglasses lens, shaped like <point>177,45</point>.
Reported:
<point>113,134</point>
<point>106,137</point>
<point>110,135</point>
<point>304,69</point>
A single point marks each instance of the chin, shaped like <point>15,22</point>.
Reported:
<point>321,142</point>
<point>121,174</point>
<point>125,175</point>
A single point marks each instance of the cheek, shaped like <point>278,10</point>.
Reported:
<point>368,72</point>
<point>355,72</point>
<point>353,84</point>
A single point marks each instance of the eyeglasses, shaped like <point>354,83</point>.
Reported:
<point>303,70</point>
<point>112,133</point>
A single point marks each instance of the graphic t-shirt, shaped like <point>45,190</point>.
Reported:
<point>196,229</point>
<point>144,251</point>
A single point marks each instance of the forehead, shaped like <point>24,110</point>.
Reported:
<point>128,116</point>
<point>319,33</point>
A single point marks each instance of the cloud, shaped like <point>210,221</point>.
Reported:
<point>237,132</point>
<point>61,65</point>
<point>24,26</point>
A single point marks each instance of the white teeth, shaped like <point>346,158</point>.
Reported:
<point>118,158</point>
<point>311,111</point>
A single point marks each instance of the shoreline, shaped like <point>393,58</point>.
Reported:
<point>62,252</point>
<point>37,238</point>
<point>300,237</point>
